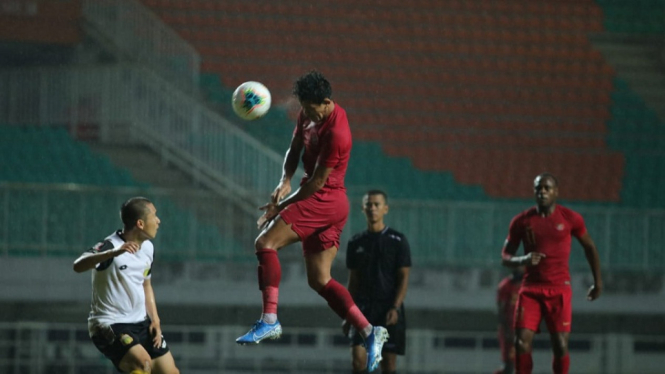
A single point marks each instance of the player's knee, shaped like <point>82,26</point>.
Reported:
<point>136,363</point>
<point>260,242</point>
<point>316,283</point>
<point>522,345</point>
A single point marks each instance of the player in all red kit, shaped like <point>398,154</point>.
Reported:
<point>506,300</point>
<point>315,215</point>
<point>546,231</point>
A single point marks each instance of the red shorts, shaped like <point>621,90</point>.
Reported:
<point>319,219</point>
<point>554,304</point>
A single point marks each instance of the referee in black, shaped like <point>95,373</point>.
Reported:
<point>379,260</point>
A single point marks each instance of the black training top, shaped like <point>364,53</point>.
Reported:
<point>378,256</point>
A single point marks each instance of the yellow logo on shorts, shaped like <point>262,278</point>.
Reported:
<point>126,339</point>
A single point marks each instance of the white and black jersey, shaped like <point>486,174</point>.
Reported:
<point>117,284</point>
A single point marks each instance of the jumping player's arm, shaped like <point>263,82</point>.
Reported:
<point>313,184</point>
<point>593,259</point>
<point>289,168</point>
<point>102,253</point>
<point>331,144</point>
<point>151,308</point>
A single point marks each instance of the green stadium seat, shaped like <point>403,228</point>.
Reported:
<point>34,154</point>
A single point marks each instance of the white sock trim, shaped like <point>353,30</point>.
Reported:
<point>269,318</point>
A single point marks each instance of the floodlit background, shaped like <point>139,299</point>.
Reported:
<point>454,105</point>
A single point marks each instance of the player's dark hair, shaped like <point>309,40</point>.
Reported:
<point>378,192</point>
<point>133,210</point>
<point>312,87</point>
<point>549,176</point>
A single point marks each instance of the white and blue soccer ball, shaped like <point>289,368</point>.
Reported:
<point>251,100</point>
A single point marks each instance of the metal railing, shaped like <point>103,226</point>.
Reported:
<point>141,35</point>
<point>55,220</point>
<point>144,108</point>
<point>151,111</point>
<point>64,220</point>
<point>472,234</point>
<point>38,348</point>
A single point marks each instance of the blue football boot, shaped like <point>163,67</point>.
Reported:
<point>260,331</point>
<point>374,344</point>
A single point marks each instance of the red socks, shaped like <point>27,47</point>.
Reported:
<point>340,300</point>
<point>270,274</point>
<point>337,296</point>
<point>523,363</point>
<point>560,365</point>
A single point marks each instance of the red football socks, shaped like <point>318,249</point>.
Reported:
<point>340,300</point>
<point>270,274</point>
<point>560,365</point>
<point>523,363</point>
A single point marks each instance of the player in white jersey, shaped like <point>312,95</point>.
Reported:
<point>123,322</point>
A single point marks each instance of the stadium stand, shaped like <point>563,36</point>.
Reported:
<point>48,155</point>
<point>472,86</point>
<point>634,17</point>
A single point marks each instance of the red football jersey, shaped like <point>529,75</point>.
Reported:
<point>327,143</point>
<point>549,235</point>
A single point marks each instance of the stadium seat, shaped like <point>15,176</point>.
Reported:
<point>519,71</point>
<point>43,154</point>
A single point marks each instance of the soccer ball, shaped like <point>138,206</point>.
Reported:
<point>251,100</point>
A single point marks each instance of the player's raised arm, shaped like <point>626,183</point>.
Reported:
<point>307,189</point>
<point>289,168</point>
<point>324,166</point>
<point>593,259</point>
<point>311,186</point>
<point>90,259</point>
